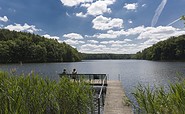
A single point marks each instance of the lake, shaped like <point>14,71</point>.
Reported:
<point>131,72</point>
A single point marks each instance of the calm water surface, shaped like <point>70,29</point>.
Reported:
<point>131,72</point>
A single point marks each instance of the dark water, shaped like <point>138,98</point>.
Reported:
<point>131,72</point>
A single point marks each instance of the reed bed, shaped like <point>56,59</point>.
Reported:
<point>33,95</point>
<point>159,100</point>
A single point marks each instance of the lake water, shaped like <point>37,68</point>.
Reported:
<point>131,72</point>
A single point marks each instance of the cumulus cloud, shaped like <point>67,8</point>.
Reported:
<point>73,36</point>
<point>143,32</point>
<point>92,48</point>
<point>96,8</point>
<point>160,32</point>
<point>71,3</point>
<point>25,28</point>
<point>135,39</point>
<point>93,41</point>
<point>73,42</point>
<point>113,42</point>
<point>105,35</point>
<point>86,5</point>
<point>132,6</point>
<point>100,7</point>
<point>93,7</point>
<point>81,14</point>
<point>4,19</point>
<point>96,48</point>
<point>116,34</point>
<point>104,23</point>
<point>51,37</point>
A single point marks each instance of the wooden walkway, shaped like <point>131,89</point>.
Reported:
<point>115,99</point>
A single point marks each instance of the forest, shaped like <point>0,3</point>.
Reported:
<point>16,47</point>
<point>106,56</point>
<point>170,49</point>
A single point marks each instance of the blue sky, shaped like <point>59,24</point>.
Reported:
<point>96,26</point>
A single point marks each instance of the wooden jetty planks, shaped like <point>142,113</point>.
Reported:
<point>114,101</point>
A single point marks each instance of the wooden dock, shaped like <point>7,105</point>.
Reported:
<point>115,101</point>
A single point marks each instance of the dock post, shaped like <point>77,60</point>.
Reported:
<point>103,99</point>
<point>98,105</point>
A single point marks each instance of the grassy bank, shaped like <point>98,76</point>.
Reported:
<point>160,101</point>
<point>33,95</point>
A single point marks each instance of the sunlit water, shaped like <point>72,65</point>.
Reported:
<point>131,72</point>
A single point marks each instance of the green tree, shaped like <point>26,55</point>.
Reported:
<point>27,47</point>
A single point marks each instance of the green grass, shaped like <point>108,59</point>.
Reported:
<point>33,95</point>
<point>158,101</point>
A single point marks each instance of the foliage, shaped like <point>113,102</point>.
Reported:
<point>26,47</point>
<point>34,95</point>
<point>106,56</point>
<point>183,18</point>
<point>158,101</point>
<point>170,49</point>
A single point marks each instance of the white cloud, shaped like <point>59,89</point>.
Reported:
<point>116,34</point>
<point>130,21</point>
<point>116,41</point>
<point>71,3</point>
<point>135,39</point>
<point>100,7</point>
<point>25,28</point>
<point>105,35</point>
<point>150,42</point>
<point>160,32</point>
<point>104,23</point>
<point>73,42</point>
<point>127,40</point>
<point>92,48</point>
<point>113,42</point>
<point>143,32</point>
<point>51,37</point>
<point>93,41</point>
<point>144,5</point>
<point>86,5</point>
<point>132,6</point>
<point>73,36</point>
<point>95,8</point>
<point>81,14</point>
<point>4,19</point>
<point>117,46</point>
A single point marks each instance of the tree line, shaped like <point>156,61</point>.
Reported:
<point>170,49</point>
<point>106,56</point>
<point>26,47</point>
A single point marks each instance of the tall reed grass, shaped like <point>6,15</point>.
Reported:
<point>33,95</point>
<point>161,101</point>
